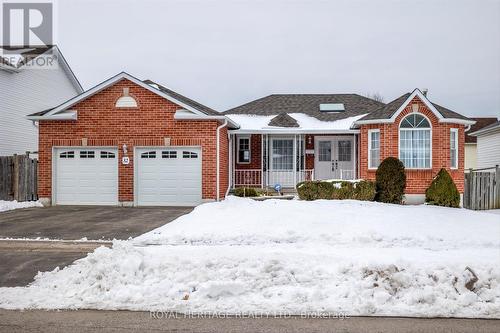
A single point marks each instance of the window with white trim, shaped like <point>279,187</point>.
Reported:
<point>415,142</point>
<point>149,154</point>
<point>67,154</point>
<point>373,148</point>
<point>107,154</point>
<point>243,149</point>
<point>454,148</point>
<point>169,154</point>
<point>189,154</point>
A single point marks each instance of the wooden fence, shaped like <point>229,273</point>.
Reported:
<point>482,189</point>
<point>18,178</point>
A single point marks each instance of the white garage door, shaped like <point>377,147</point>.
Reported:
<point>168,176</point>
<point>86,176</point>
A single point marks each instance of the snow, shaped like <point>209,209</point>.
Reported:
<point>240,255</point>
<point>10,205</point>
<point>306,122</point>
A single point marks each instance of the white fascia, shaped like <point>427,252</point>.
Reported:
<point>294,131</point>
<point>68,115</point>
<point>112,81</point>
<point>186,115</point>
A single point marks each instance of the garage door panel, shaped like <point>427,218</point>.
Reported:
<point>168,178</point>
<point>87,176</point>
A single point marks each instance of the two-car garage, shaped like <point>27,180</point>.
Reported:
<point>163,176</point>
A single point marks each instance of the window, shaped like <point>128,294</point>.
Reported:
<point>282,154</point>
<point>325,151</point>
<point>107,154</point>
<point>454,148</point>
<point>345,150</point>
<point>244,150</point>
<point>67,154</point>
<point>148,154</point>
<point>415,142</point>
<point>87,154</point>
<point>169,154</point>
<point>373,148</point>
<point>189,154</point>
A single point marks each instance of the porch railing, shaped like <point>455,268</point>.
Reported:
<point>257,177</point>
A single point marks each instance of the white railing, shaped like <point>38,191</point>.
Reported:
<point>247,177</point>
<point>253,177</point>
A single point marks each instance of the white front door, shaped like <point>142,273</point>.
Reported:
<point>168,176</point>
<point>282,162</point>
<point>86,176</point>
<point>334,157</point>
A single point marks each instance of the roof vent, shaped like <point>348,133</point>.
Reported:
<point>126,101</point>
<point>332,107</point>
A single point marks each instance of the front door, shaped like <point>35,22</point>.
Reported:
<point>334,157</point>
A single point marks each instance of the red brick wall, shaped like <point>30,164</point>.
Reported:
<point>255,153</point>
<point>417,180</point>
<point>147,125</point>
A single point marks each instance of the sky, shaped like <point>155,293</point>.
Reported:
<point>226,53</point>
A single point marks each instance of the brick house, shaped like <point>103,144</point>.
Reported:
<point>133,142</point>
<point>286,139</point>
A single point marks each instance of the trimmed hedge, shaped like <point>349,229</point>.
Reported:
<point>443,191</point>
<point>245,192</point>
<point>315,190</point>
<point>390,179</point>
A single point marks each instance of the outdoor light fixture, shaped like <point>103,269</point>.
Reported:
<point>124,147</point>
<point>309,139</point>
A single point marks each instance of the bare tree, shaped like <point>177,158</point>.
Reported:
<point>375,96</point>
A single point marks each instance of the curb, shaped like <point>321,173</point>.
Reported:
<point>52,245</point>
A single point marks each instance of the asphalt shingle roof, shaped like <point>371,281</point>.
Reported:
<point>198,106</point>
<point>354,105</point>
<point>283,120</point>
<point>480,124</point>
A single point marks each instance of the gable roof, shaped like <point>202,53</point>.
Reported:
<point>389,112</point>
<point>178,99</point>
<point>283,120</point>
<point>308,104</point>
<point>32,53</point>
<point>480,124</point>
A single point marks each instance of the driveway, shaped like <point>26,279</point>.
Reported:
<point>92,222</point>
<point>21,260</point>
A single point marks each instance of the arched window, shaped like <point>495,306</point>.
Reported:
<point>415,142</point>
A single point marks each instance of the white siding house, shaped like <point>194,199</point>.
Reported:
<point>488,146</point>
<point>25,90</point>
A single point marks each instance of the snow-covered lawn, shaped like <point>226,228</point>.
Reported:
<point>10,205</point>
<point>359,258</point>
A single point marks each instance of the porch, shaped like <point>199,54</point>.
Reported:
<point>264,160</point>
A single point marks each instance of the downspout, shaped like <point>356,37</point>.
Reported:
<point>218,158</point>
<point>230,158</point>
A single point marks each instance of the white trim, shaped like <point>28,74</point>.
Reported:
<point>296,131</point>
<point>425,100</point>
<point>217,151</point>
<point>186,115</point>
<point>68,115</point>
<point>111,81</point>
<point>238,138</point>
<point>454,130</point>
<point>413,129</point>
<point>370,131</point>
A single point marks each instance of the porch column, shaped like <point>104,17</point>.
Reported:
<point>262,161</point>
<point>295,158</point>
<point>355,166</point>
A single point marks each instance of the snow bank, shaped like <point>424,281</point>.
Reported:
<point>306,122</point>
<point>240,255</point>
<point>10,205</point>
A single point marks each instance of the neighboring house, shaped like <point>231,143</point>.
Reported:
<point>132,142</point>
<point>26,89</point>
<point>471,141</point>
<point>286,139</point>
<point>488,146</point>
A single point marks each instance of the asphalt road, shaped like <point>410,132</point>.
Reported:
<point>126,321</point>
